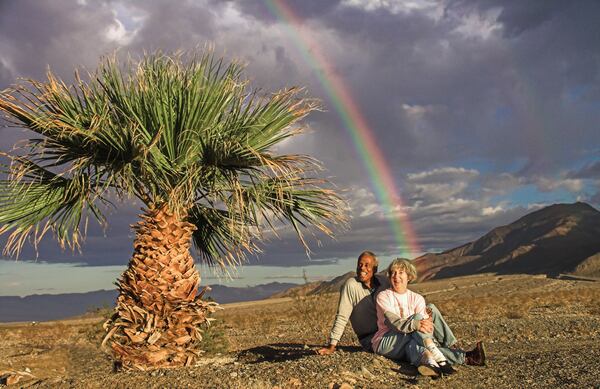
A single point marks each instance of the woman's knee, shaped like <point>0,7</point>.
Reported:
<point>433,308</point>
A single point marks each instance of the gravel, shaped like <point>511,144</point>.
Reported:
<point>556,343</point>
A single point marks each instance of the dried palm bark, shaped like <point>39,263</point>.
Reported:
<point>159,313</point>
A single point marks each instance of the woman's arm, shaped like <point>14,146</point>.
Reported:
<point>395,322</point>
<point>426,323</point>
<point>391,313</point>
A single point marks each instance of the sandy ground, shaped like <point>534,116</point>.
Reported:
<point>539,332</point>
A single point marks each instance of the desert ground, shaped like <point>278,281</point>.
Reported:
<point>539,332</point>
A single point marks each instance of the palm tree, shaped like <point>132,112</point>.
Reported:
<point>184,135</point>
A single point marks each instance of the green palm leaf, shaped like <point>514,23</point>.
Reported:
<point>37,200</point>
<point>182,130</point>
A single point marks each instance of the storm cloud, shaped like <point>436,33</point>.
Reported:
<point>483,110</point>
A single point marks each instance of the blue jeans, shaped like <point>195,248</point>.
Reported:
<point>410,346</point>
<point>445,339</point>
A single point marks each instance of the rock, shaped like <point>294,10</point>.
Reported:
<point>348,376</point>
<point>366,373</point>
<point>13,377</point>
<point>343,385</point>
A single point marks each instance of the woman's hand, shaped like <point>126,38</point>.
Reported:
<point>426,325</point>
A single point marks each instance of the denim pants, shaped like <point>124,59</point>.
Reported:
<point>410,346</point>
<point>444,338</point>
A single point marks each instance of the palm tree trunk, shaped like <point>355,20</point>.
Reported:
<point>159,313</point>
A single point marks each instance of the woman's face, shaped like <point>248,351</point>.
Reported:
<point>399,280</point>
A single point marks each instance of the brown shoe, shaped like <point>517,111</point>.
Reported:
<point>476,357</point>
<point>429,370</point>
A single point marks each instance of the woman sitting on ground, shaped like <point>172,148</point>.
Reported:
<point>405,329</point>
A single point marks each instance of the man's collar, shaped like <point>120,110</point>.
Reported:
<point>375,283</point>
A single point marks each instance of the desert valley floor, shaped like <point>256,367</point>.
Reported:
<point>539,332</point>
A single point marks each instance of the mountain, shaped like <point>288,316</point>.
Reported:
<point>317,287</point>
<point>57,306</point>
<point>561,238</point>
<point>226,294</point>
<point>40,307</point>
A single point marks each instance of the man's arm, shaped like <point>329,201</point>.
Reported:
<point>345,307</point>
<point>326,350</point>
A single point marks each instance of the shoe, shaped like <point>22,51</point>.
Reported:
<point>476,357</point>
<point>429,370</point>
<point>446,368</point>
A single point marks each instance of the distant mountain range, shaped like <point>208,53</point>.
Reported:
<point>44,307</point>
<point>561,238</point>
<point>317,287</point>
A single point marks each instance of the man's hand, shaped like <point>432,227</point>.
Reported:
<point>326,350</point>
<point>426,325</point>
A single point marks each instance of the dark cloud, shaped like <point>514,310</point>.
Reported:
<point>517,17</point>
<point>187,25</point>
<point>304,9</point>
<point>589,170</point>
<point>61,35</point>
<point>469,101</point>
<point>595,199</point>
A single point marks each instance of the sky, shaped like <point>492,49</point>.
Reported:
<point>480,111</point>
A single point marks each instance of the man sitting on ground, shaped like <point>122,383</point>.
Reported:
<point>357,304</point>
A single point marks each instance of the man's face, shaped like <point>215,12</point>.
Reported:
<point>365,268</point>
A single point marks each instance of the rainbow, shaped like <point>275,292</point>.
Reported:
<point>355,123</point>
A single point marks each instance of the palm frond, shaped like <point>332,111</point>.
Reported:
<point>299,201</point>
<point>222,238</point>
<point>34,200</point>
<point>270,203</point>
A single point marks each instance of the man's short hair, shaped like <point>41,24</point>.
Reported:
<point>404,264</point>
<point>369,254</point>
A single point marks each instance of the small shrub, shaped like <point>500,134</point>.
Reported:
<point>315,312</point>
<point>214,340</point>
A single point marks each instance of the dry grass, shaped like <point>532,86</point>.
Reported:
<point>315,311</point>
<point>48,349</point>
<point>309,318</point>
<point>214,341</point>
<point>520,304</point>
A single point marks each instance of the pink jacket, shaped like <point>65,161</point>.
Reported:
<point>390,301</point>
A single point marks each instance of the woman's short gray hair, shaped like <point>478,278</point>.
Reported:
<point>404,264</point>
